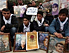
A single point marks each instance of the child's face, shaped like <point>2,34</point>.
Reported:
<point>62,17</point>
<point>25,21</point>
<point>39,17</point>
<point>59,48</point>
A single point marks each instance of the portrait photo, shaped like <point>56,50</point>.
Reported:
<point>20,42</point>
<point>32,41</point>
<point>3,4</point>
<point>47,7</point>
<point>43,40</point>
<point>5,42</point>
<point>56,45</point>
<point>19,10</point>
<point>55,9</point>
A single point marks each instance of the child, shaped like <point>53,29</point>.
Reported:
<point>26,26</point>
<point>39,22</point>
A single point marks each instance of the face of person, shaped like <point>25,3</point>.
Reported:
<point>59,48</point>
<point>6,14</point>
<point>39,17</point>
<point>5,42</point>
<point>29,4</point>
<point>25,21</point>
<point>19,1</point>
<point>33,3</point>
<point>62,17</point>
<point>22,42</point>
<point>54,8</point>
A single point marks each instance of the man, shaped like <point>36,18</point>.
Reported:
<point>22,46</point>
<point>59,48</point>
<point>5,41</point>
<point>20,2</point>
<point>26,26</point>
<point>39,23</point>
<point>59,26</point>
<point>9,23</point>
<point>33,4</point>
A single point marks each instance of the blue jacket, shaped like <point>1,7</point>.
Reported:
<point>55,27</point>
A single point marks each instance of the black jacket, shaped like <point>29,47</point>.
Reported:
<point>22,27</point>
<point>38,28</point>
<point>14,23</point>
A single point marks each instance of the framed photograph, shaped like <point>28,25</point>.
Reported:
<point>47,7</point>
<point>67,45</point>
<point>43,40</point>
<point>20,42</point>
<point>56,45</point>
<point>5,43</point>
<point>3,4</point>
<point>19,10</point>
<point>32,40</point>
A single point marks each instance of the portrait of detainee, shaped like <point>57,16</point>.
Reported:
<point>56,45</point>
<point>22,46</point>
<point>20,42</point>
<point>5,40</point>
<point>55,10</point>
<point>43,41</point>
<point>59,47</point>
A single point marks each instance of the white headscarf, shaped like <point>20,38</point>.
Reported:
<point>62,23</point>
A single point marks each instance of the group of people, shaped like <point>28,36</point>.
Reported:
<point>58,27</point>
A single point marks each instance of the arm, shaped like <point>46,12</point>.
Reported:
<point>52,27</point>
<point>14,23</point>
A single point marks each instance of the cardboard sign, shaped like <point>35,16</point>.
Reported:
<point>32,11</point>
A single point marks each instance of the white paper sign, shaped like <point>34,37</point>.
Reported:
<point>32,11</point>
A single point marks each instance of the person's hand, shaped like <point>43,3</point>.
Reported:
<point>67,40</point>
<point>59,35</point>
<point>46,25</point>
<point>2,28</point>
<point>34,31</point>
<point>1,33</point>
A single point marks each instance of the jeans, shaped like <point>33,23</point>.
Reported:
<point>13,30</point>
<point>46,29</point>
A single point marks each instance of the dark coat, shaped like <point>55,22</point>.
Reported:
<point>38,28</point>
<point>14,23</point>
<point>22,27</point>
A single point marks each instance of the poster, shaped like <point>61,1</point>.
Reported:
<point>43,40</point>
<point>19,10</point>
<point>64,4</point>
<point>32,40</point>
<point>55,7</point>
<point>20,42</point>
<point>47,7</point>
<point>3,4</point>
<point>5,43</point>
<point>56,45</point>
